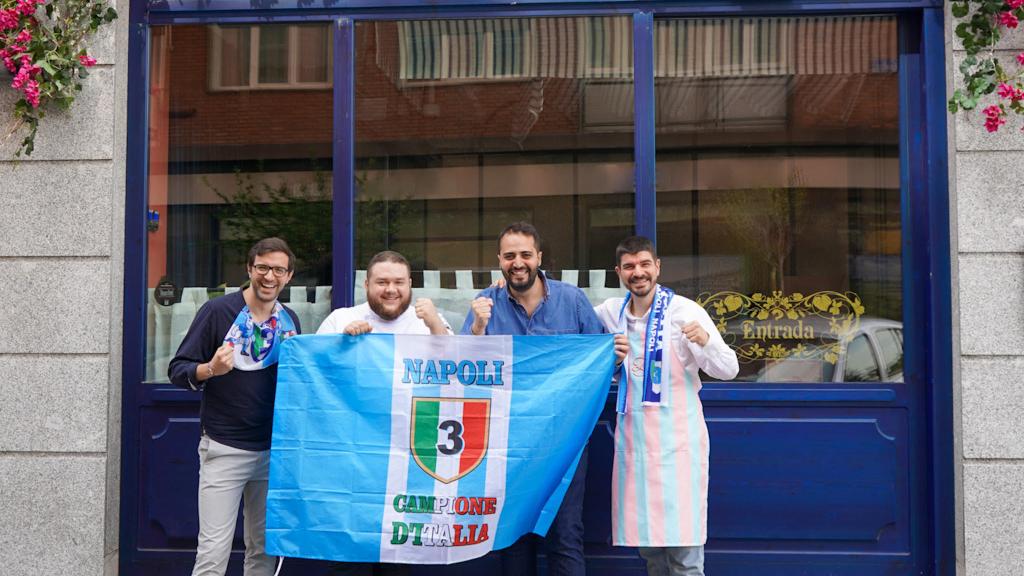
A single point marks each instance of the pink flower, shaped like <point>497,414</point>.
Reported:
<point>9,63</point>
<point>1020,58</point>
<point>1014,4</point>
<point>1006,91</point>
<point>23,36</point>
<point>993,118</point>
<point>8,19</point>
<point>1008,19</point>
<point>993,123</point>
<point>25,73</point>
<point>32,93</point>
<point>28,7</point>
<point>20,79</point>
<point>88,61</point>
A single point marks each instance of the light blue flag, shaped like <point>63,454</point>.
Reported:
<point>427,449</point>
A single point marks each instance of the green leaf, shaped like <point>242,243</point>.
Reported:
<point>46,67</point>
<point>959,9</point>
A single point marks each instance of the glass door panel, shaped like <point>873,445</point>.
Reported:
<point>465,126</point>
<point>778,188</point>
<point>240,149</point>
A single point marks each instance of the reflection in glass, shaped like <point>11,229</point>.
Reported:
<point>273,54</point>
<point>861,363</point>
<point>778,199</point>
<point>226,169</point>
<point>314,47</point>
<point>464,126</point>
<point>234,55</point>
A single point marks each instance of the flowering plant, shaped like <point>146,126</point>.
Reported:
<point>980,24</point>
<point>42,45</point>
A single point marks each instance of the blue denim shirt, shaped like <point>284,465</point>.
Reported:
<point>564,310</point>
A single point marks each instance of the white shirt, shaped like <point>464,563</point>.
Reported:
<point>407,323</point>
<point>715,358</point>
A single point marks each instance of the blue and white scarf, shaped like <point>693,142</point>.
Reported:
<point>653,343</point>
<point>258,345</point>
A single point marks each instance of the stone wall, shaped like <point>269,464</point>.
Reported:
<point>61,260</point>
<point>988,240</point>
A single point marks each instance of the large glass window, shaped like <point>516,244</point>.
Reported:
<point>230,167</point>
<point>778,199</point>
<point>464,126</point>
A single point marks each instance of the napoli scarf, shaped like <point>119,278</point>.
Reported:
<point>653,343</point>
<point>257,345</point>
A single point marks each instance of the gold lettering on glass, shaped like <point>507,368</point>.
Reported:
<point>777,325</point>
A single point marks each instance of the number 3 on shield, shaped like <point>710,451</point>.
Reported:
<point>453,444</point>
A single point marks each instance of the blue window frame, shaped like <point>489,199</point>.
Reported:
<point>926,286</point>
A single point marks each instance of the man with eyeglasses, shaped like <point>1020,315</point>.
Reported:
<point>388,310</point>
<point>230,354</point>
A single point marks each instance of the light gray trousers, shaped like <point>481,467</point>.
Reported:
<point>674,561</point>
<point>226,476</point>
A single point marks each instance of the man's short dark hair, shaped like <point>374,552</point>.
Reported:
<point>268,245</point>
<point>387,256</point>
<point>634,245</point>
<point>521,227</point>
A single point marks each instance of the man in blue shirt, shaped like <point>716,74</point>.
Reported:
<point>531,303</point>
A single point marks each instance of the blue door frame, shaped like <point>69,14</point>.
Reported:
<point>925,220</point>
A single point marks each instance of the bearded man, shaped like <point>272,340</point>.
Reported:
<point>388,308</point>
<point>660,471</point>
<point>528,302</point>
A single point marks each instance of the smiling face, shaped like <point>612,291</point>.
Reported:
<point>266,287</point>
<point>639,272</point>
<point>520,260</point>
<point>388,289</point>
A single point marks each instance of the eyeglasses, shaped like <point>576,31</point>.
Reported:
<point>262,270</point>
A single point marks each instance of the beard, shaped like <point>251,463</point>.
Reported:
<point>380,309</point>
<point>257,291</point>
<point>641,292</point>
<point>531,277</point>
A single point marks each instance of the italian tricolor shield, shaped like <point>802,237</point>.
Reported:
<point>449,435</point>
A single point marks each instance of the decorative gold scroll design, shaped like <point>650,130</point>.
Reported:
<point>757,327</point>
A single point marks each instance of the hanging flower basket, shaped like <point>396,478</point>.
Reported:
<point>42,45</point>
<point>986,82</point>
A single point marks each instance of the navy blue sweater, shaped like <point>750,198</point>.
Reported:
<point>237,408</point>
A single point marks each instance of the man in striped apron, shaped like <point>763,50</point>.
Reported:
<point>660,473</point>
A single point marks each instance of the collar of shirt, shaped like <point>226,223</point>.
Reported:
<point>555,314</point>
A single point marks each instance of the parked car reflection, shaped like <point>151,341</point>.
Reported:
<point>872,353</point>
